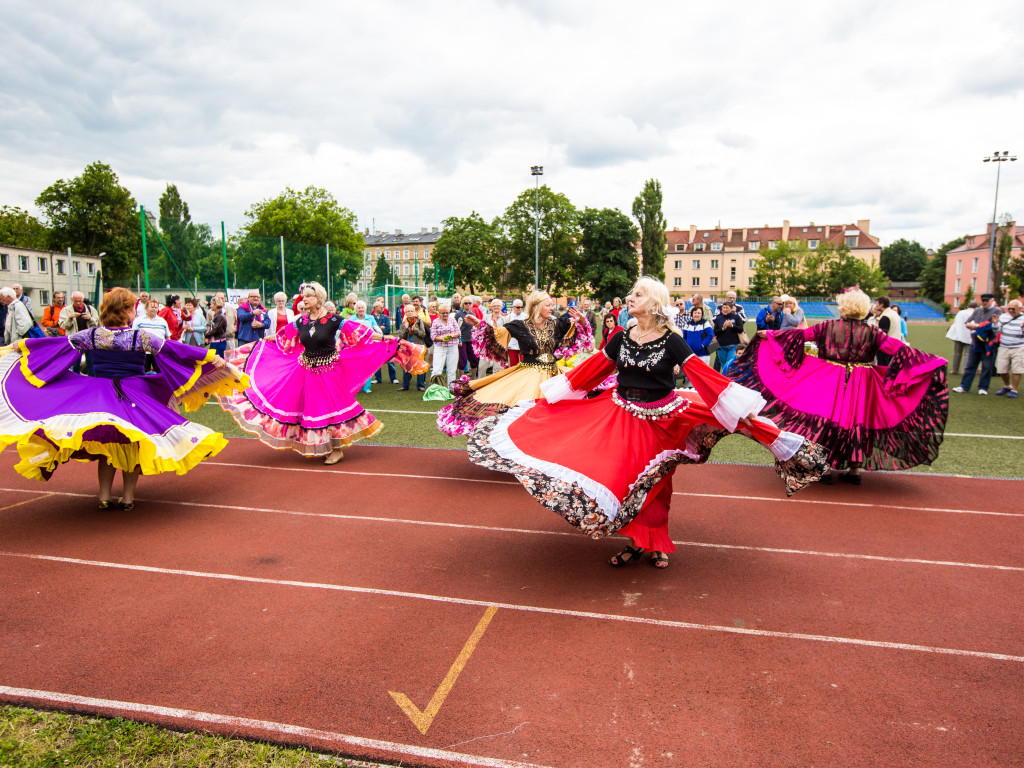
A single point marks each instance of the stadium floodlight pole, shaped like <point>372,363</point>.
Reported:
<point>536,171</point>
<point>328,286</point>
<point>998,158</point>
<point>145,257</point>
<point>224,257</point>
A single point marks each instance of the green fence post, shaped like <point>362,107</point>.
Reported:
<point>145,258</point>
<point>224,256</point>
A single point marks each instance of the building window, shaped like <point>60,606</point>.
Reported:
<point>698,246</point>
<point>956,288</point>
<point>696,263</point>
<point>44,297</point>
<point>60,266</point>
<point>405,253</point>
<point>716,246</point>
<point>959,267</point>
<point>756,231</point>
<point>23,263</point>
<point>714,263</point>
<point>752,263</point>
<point>812,244</point>
<point>805,230</point>
<point>695,282</point>
<point>732,274</point>
<point>677,282</point>
<point>90,269</point>
<point>405,270</point>
<point>678,264</point>
<point>771,245</point>
<point>851,242</point>
<point>76,268</point>
<point>750,280</point>
<point>754,245</point>
<point>974,283</point>
<point>42,264</point>
<point>680,246</point>
<point>974,265</point>
<point>3,261</point>
<point>713,282</point>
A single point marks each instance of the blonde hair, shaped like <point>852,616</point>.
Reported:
<point>657,293</point>
<point>533,304</point>
<point>280,295</point>
<point>786,297</point>
<point>318,290</point>
<point>854,304</point>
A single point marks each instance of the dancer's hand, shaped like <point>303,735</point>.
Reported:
<point>575,314</point>
<point>471,319</point>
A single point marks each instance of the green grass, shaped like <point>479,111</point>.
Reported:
<point>968,414</point>
<point>43,739</point>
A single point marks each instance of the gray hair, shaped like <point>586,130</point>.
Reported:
<point>8,293</point>
<point>280,295</point>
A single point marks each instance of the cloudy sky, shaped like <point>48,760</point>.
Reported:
<point>408,112</point>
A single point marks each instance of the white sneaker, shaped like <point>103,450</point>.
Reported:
<point>961,390</point>
<point>982,391</point>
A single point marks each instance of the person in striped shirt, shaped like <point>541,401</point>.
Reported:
<point>1010,358</point>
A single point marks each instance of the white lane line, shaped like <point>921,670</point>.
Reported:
<point>779,498</point>
<point>985,437</point>
<point>526,608</point>
<point>189,717</point>
<point>571,534</point>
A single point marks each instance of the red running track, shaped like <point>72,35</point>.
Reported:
<point>272,597</point>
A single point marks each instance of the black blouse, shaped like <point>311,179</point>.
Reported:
<point>534,343</point>
<point>649,366</point>
<point>318,336</point>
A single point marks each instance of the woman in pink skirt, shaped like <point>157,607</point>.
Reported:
<point>303,381</point>
<point>864,415</point>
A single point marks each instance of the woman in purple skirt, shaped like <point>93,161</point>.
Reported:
<point>122,419</point>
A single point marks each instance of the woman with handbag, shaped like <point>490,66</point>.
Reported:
<point>194,323</point>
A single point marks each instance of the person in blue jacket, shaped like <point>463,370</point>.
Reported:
<point>252,319</point>
<point>770,318</point>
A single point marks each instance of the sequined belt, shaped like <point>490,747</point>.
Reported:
<point>321,360</point>
<point>542,366</point>
<point>849,366</point>
<point>659,409</point>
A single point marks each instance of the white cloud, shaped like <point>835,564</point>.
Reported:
<point>408,112</point>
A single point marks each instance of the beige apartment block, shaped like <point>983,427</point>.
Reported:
<point>40,273</point>
<point>408,254</point>
<point>713,261</point>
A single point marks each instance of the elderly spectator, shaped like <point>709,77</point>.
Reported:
<point>493,319</point>
<point>792,315</point>
<point>194,323</point>
<point>19,321</point>
<point>281,315</point>
<point>78,316</point>
<point>770,318</point>
<point>609,328</point>
<point>51,316</point>
<point>415,330</point>
<point>171,312</point>
<point>348,311</point>
<point>142,303</point>
<point>417,302</point>
<point>217,326</point>
<point>468,359</point>
<point>252,319</point>
<point>592,315</point>
<point>23,298</point>
<point>730,296</point>
<point>519,314</point>
<point>446,334</point>
<point>383,320</point>
<point>362,318</point>
<point>1010,358</point>
<point>728,327</point>
<point>151,321</point>
<point>960,336</point>
<point>698,331</point>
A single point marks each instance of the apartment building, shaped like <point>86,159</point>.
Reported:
<point>713,261</point>
<point>408,255</point>
<point>969,265</point>
<point>40,273</point>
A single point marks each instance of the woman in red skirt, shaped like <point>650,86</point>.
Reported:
<point>543,442</point>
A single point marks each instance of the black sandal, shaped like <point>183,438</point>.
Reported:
<point>127,506</point>
<point>659,559</point>
<point>106,504</point>
<point>619,560</point>
<point>851,479</point>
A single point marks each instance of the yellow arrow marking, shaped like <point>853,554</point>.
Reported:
<point>27,501</point>
<point>422,720</point>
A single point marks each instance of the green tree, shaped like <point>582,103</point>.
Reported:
<point>1001,259</point>
<point>830,268</point>
<point>903,260</point>
<point>469,246</point>
<point>559,241</point>
<point>610,263</point>
<point>20,229</point>
<point>92,214</point>
<point>383,274</point>
<point>647,212</point>
<point>310,218</point>
<point>933,276</point>
<point>779,269</point>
